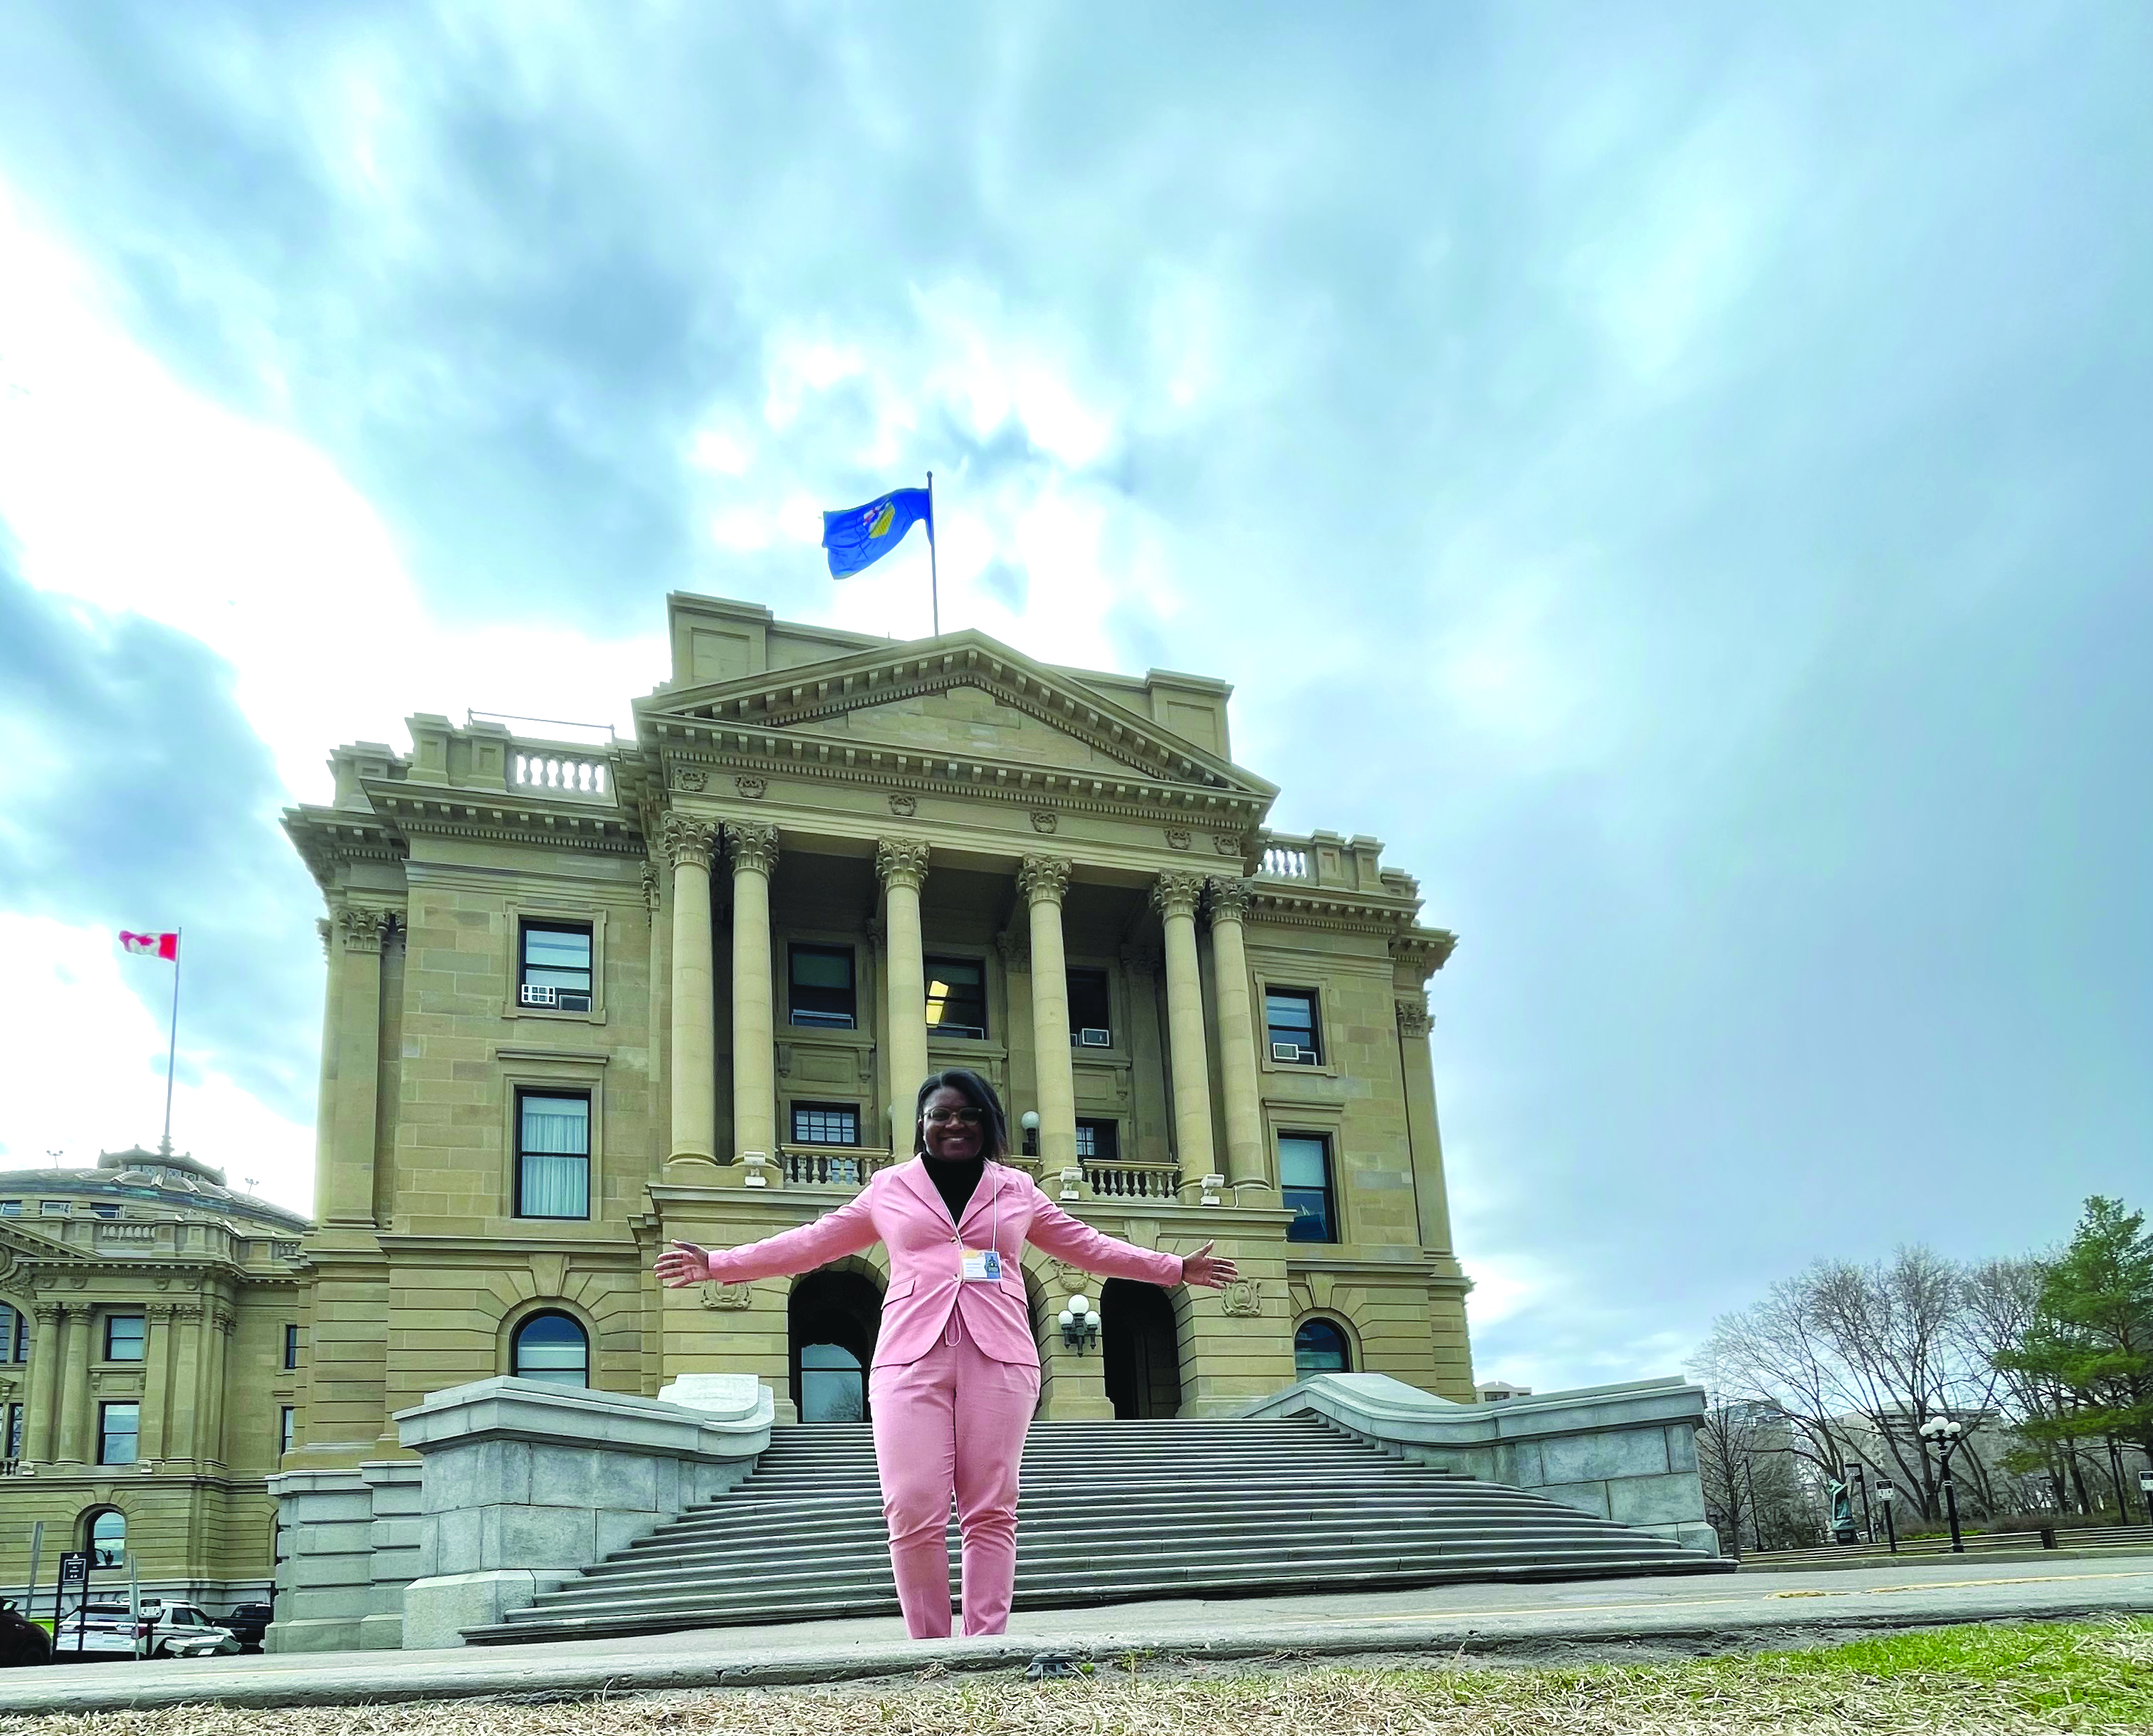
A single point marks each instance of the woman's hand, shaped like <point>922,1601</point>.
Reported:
<point>1205,1272</point>
<point>683,1264</point>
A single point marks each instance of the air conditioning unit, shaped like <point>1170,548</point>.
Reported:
<point>566,1001</point>
<point>1285,1051</point>
<point>1091,1037</point>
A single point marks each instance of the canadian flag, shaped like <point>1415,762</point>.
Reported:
<point>165,946</point>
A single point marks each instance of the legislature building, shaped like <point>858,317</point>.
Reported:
<point>585,999</point>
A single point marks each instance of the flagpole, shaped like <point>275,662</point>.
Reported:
<point>172,1051</point>
<point>933,578</point>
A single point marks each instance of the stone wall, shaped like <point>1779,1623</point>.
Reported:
<point>347,1545</point>
<point>1625,1453</point>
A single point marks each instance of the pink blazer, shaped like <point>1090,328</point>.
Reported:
<point>901,1206</point>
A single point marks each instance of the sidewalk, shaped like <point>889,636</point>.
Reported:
<point>1573,1620</point>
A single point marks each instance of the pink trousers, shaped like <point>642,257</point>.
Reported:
<point>952,1423</point>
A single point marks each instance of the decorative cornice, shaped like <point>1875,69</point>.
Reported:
<point>1176,895</point>
<point>1043,879</point>
<point>686,840</point>
<point>753,846</point>
<point>446,810</point>
<point>901,861</point>
<point>1426,950</point>
<point>1413,1016</point>
<point>1229,900</point>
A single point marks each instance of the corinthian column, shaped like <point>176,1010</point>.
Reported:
<point>76,1422</point>
<point>901,865</point>
<point>1175,897</point>
<point>688,843</point>
<point>350,1108</point>
<point>1237,1032</point>
<point>754,848</point>
<point>1043,879</point>
<point>47,1352</point>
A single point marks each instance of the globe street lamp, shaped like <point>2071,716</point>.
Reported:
<point>1944,1435</point>
<point>1885,1493</point>
<point>1080,1324</point>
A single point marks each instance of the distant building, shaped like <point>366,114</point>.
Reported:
<point>1499,1392</point>
<point>151,1358</point>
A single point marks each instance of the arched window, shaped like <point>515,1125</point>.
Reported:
<point>551,1346</point>
<point>104,1536</point>
<point>1319,1347</point>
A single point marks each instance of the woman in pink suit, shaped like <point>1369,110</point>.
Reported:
<point>956,1370</point>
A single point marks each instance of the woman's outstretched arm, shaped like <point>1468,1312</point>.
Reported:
<point>1055,1231</point>
<point>846,1230</point>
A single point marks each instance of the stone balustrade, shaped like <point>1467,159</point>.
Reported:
<point>559,773</point>
<point>849,1167</point>
<point>1133,1181</point>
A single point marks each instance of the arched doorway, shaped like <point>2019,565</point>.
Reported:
<point>832,1318</point>
<point>1143,1349</point>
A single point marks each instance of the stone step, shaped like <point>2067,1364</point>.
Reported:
<point>1098,1508</point>
<point>867,1598</point>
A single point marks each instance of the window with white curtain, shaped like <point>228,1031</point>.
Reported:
<point>551,1346</point>
<point>552,1155</point>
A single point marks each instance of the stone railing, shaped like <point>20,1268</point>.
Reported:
<point>850,1167</point>
<point>557,772</point>
<point>1133,1181</point>
<point>1627,1452</point>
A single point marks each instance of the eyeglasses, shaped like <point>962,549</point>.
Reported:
<point>971,1117</point>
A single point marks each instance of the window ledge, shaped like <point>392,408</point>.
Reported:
<point>517,1009</point>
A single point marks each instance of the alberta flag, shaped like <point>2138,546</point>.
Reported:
<point>163,946</point>
<point>860,536</point>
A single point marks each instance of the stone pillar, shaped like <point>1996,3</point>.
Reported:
<point>901,865</point>
<point>41,1437</point>
<point>1175,896</point>
<point>1431,1199</point>
<point>216,1347</point>
<point>1237,1034</point>
<point>156,1381</point>
<point>77,1425</point>
<point>754,848</point>
<point>350,1115</point>
<point>693,1153</point>
<point>181,1432</point>
<point>1043,879</point>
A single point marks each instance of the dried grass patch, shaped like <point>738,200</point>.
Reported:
<point>2089,1677</point>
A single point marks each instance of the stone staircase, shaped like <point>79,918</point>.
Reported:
<point>1110,1512</point>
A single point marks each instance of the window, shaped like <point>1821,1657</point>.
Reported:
<point>106,1538</point>
<point>825,1124</point>
<point>1290,1016</point>
<point>556,966</point>
<point>291,1347</point>
<point>53,1208</point>
<point>551,1346</point>
<point>119,1426</point>
<point>1098,1142</point>
<point>1319,1347</point>
<point>553,1155</point>
<point>13,1448</point>
<point>14,1335</point>
<point>831,1389</point>
<point>821,987</point>
<point>105,1209</point>
<point>1305,1186</point>
<point>10,1208</point>
<point>123,1337</point>
<point>956,997</point>
<point>1091,1012</point>
<point>287,1422</point>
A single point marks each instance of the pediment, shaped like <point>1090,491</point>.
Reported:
<point>20,1248</point>
<point>963,697</point>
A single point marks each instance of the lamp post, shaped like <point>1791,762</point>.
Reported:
<point>1079,1324</point>
<point>1944,1435</point>
<point>1029,1121</point>
<point>1885,1494</point>
<point>1756,1521</point>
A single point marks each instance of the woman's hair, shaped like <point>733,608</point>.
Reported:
<point>995,1143</point>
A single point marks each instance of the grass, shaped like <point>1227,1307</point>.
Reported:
<point>2092,1676</point>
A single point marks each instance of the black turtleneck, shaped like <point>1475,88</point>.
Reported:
<point>957,1179</point>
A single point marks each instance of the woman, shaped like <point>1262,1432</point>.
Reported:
<point>956,1372</point>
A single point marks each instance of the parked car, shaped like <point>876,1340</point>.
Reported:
<point>182,1630</point>
<point>247,1623</point>
<point>22,1640</point>
<point>97,1630</point>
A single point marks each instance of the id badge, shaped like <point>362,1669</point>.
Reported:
<point>982,1265</point>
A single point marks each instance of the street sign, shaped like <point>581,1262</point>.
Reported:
<point>74,1567</point>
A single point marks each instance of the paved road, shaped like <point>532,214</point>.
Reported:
<point>1601,1617</point>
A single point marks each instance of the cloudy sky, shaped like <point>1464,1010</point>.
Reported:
<point>1679,475</point>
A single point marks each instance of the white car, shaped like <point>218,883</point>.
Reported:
<point>101,1629</point>
<point>182,1630</point>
